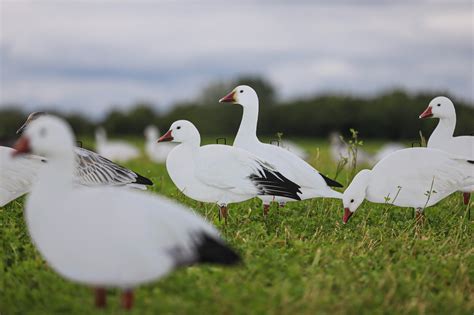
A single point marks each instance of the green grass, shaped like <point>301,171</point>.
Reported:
<point>299,260</point>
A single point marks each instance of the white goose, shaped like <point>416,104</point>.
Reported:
<point>119,151</point>
<point>442,137</point>
<point>156,152</point>
<point>313,184</point>
<point>105,236</point>
<point>413,177</point>
<point>18,175</point>
<point>219,173</point>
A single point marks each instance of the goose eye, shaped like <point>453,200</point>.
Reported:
<point>241,91</point>
<point>179,127</point>
<point>439,105</point>
<point>352,200</point>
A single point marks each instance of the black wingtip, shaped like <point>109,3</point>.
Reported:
<point>331,182</point>
<point>273,183</point>
<point>211,250</point>
<point>470,161</point>
<point>142,180</point>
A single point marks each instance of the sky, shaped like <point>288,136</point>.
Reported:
<point>91,56</point>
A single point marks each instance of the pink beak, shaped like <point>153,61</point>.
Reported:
<point>347,215</point>
<point>427,113</point>
<point>229,98</point>
<point>22,146</point>
<point>166,137</point>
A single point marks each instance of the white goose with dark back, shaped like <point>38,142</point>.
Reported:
<point>313,184</point>
<point>219,173</point>
<point>105,236</point>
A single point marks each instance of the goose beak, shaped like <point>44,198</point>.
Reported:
<point>22,146</point>
<point>347,215</point>
<point>166,137</point>
<point>427,113</point>
<point>229,98</point>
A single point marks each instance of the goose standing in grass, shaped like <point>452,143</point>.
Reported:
<point>108,237</point>
<point>119,151</point>
<point>442,137</point>
<point>313,184</point>
<point>156,152</point>
<point>220,173</point>
<point>413,177</point>
<point>18,175</point>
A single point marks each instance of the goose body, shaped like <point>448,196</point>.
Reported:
<point>17,175</point>
<point>107,236</point>
<point>413,177</point>
<point>119,151</point>
<point>442,137</point>
<point>218,173</point>
<point>313,184</point>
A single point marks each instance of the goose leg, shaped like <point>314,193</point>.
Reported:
<point>223,212</point>
<point>127,299</point>
<point>100,297</point>
<point>466,197</point>
<point>266,209</point>
<point>281,204</point>
<point>419,216</point>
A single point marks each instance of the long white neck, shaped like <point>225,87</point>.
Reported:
<point>248,126</point>
<point>444,130</point>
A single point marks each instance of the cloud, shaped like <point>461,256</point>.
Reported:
<point>91,56</point>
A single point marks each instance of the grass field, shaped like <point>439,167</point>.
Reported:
<point>299,260</point>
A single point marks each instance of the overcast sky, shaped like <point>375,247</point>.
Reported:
<point>89,55</point>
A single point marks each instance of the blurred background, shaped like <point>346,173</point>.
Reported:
<point>318,66</point>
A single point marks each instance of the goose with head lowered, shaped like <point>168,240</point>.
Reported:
<point>313,184</point>
<point>442,137</point>
<point>220,173</point>
<point>413,177</point>
<point>108,237</point>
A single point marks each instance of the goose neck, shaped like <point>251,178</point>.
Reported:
<point>248,125</point>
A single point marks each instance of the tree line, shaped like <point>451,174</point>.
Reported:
<point>390,115</point>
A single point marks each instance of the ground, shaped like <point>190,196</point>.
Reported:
<point>299,260</point>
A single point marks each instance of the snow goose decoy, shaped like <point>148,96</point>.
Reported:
<point>413,177</point>
<point>313,184</point>
<point>156,152</point>
<point>93,169</point>
<point>104,236</point>
<point>17,175</point>
<point>119,151</point>
<point>442,137</point>
<point>219,173</point>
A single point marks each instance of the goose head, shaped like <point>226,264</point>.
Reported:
<point>243,95</point>
<point>31,117</point>
<point>439,107</point>
<point>355,194</point>
<point>182,131</point>
<point>47,136</point>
